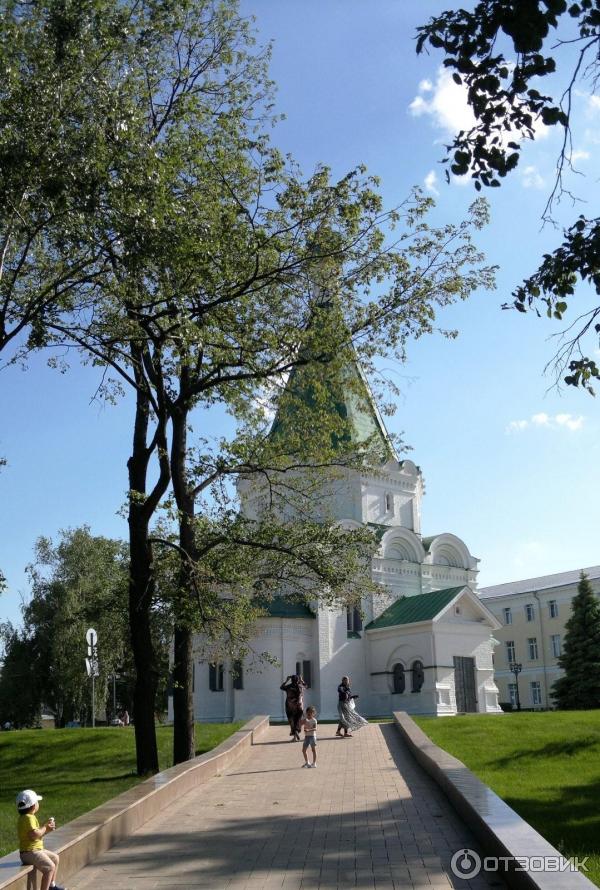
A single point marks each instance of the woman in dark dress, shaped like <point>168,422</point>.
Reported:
<point>294,687</point>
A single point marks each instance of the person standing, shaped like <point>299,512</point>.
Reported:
<point>350,719</point>
<point>310,736</point>
<point>294,687</point>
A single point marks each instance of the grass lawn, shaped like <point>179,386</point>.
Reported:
<point>78,769</point>
<point>546,766</point>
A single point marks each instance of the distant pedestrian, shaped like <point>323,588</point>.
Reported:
<point>350,719</point>
<point>294,687</point>
<point>31,839</point>
<point>125,718</point>
<point>309,724</point>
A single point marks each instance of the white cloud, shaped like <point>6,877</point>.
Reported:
<point>445,102</point>
<point>593,105</point>
<point>546,421</point>
<point>572,423</point>
<point>516,425</point>
<point>447,106</point>
<point>431,182</point>
<point>531,178</point>
<point>579,156</point>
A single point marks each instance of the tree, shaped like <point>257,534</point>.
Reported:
<point>20,696</point>
<point>501,51</point>
<point>210,247</point>
<point>579,688</point>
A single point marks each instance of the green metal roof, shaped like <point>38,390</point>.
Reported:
<point>285,607</point>
<point>345,394</point>
<point>409,609</point>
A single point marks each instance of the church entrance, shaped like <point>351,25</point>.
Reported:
<point>464,684</point>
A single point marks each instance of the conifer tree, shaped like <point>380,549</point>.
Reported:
<point>579,688</point>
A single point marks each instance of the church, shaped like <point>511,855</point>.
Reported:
<point>424,644</point>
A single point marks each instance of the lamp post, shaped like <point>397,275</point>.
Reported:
<point>516,668</point>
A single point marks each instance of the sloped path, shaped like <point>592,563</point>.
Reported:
<point>367,817</point>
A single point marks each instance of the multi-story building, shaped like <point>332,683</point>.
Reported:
<point>533,614</point>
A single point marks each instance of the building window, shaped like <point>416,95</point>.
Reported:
<point>238,675</point>
<point>389,502</point>
<point>399,679</point>
<point>510,651</point>
<point>215,677</point>
<point>353,620</point>
<point>304,670</point>
<point>536,692</point>
<point>507,615</point>
<point>418,676</point>
<point>553,609</point>
<point>512,694</point>
<point>529,612</point>
<point>555,643</point>
<point>533,648</point>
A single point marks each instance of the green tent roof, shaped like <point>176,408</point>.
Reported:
<point>409,609</point>
<point>285,607</point>
<point>345,394</point>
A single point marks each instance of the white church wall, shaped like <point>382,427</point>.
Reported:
<point>471,642</point>
<point>405,645</point>
<point>340,656</point>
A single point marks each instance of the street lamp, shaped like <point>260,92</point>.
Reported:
<point>516,668</point>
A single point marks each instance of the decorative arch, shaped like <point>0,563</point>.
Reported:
<point>402,543</point>
<point>448,550</point>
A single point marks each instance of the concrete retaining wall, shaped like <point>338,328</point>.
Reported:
<point>85,838</point>
<point>500,831</point>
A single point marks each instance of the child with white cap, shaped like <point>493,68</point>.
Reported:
<point>31,839</point>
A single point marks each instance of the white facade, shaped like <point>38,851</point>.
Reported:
<point>406,565</point>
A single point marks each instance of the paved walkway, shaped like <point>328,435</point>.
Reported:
<point>367,817</point>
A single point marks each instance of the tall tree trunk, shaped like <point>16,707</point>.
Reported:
<point>141,579</point>
<point>184,747</point>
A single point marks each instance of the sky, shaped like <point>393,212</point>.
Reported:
<point>511,463</point>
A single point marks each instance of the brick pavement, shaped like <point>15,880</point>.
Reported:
<point>367,817</point>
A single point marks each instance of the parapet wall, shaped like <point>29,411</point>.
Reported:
<point>81,841</point>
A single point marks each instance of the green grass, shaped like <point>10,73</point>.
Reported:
<point>78,769</point>
<point>546,766</point>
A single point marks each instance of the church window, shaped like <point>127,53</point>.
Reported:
<point>304,670</point>
<point>553,609</point>
<point>507,615</point>
<point>389,502</point>
<point>353,620</point>
<point>399,679</point>
<point>215,677</point>
<point>533,648</point>
<point>555,643</point>
<point>510,651</point>
<point>529,612</point>
<point>238,675</point>
<point>418,676</point>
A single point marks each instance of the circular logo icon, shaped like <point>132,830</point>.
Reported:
<point>465,864</point>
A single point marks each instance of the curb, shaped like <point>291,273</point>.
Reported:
<point>499,829</point>
<point>81,841</point>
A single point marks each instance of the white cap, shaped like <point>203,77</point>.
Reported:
<point>27,798</point>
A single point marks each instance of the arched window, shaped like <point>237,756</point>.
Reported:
<point>399,679</point>
<point>418,676</point>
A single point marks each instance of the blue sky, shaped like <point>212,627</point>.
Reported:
<point>511,464</point>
